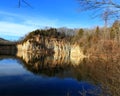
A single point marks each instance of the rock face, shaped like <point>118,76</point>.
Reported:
<point>61,48</point>
<point>76,54</point>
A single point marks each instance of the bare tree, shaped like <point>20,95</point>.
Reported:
<point>106,9</point>
<point>20,2</point>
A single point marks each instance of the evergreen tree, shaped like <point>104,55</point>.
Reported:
<point>97,32</point>
<point>80,33</point>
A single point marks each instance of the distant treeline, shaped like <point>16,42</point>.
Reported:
<point>6,42</point>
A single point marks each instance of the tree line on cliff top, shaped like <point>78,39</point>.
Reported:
<point>51,32</point>
<point>77,35</point>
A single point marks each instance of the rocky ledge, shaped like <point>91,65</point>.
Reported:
<point>61,48</point>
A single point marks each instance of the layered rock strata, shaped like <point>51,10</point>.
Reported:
<point>61,48</point>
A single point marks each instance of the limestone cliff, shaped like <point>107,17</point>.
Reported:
<point>61,48</point>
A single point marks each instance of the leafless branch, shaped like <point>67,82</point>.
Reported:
<point>105,8</point>
<point>23,1</point>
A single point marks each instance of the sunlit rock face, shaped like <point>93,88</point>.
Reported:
<point>25,46</point>
<point>24,55</point>
<point>76,54</point>
<point>60,48</point>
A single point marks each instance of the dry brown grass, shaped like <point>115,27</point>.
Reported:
<point>106,50</point>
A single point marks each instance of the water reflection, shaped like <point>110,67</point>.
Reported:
<point>91,77</point>
<point>49,65</point>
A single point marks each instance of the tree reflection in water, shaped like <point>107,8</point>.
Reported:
<point>99,72</point>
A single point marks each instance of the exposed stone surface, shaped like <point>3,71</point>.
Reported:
<point>61,48</point>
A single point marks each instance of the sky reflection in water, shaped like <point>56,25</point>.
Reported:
<point>15,80</point>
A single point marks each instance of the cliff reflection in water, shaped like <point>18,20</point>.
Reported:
<point>107,74</point>
<point>99,72</point>
<point>49,65</point>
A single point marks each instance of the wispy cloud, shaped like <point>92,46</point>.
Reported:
<point>8,13</point>
<point>14,29</point>
<point>18,25</point>
<point>29,20</point>
<point>41,22</point>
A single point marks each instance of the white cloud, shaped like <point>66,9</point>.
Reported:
<point>12,24</point>
<point>8,13</point>
<point>36,21</point>
<point>41,22</point>
<point>14,29</point>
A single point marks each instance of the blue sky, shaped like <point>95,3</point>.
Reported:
<point>16,22</point>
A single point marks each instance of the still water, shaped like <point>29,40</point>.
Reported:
<point>38,75</point>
